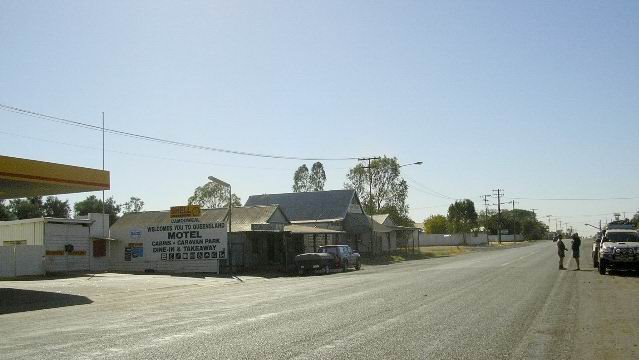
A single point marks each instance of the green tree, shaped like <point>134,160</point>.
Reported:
<point>436,224</point>
<point>523,222</point>
<point>635,220</point>
<point>301,179</point>
<point>94,205</point>
<point>135,204</point>
<point>54,207</point>
<point>27,208</point>
<point>212,196</point>
<point>389,189</point>
<point>317,178</point>
<point>462,216</point>
<point>5,212</point>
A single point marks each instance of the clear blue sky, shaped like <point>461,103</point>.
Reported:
<point>539,98</point>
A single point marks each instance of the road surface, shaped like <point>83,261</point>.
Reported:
<point>497,304</point>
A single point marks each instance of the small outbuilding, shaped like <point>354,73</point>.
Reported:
<point>54,245</point>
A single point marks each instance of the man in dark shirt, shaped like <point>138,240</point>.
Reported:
<point>576,244</point>
<point>561,251</point>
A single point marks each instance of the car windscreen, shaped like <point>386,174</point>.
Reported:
<point>328,250</point>
<point>622,237</point>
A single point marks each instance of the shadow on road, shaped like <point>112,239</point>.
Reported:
<point>17,300</point>
<point>627,273</point>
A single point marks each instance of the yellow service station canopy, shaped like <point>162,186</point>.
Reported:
<point>23,177</point>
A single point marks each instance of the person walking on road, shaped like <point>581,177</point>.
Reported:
<point>576,244</point>
<point>561,251</point>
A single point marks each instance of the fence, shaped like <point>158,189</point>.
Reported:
<point>21,260</point>
<point>452,239</point>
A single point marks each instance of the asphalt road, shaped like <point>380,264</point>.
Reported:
<point>509,304</point>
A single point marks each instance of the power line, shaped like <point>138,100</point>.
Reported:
<point>131,154</point>
<point>160,140</point>
<point>575,199</point>
<point>427,190</point>
<point>430,207</point>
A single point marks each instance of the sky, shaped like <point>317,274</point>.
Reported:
<point>537,98</point>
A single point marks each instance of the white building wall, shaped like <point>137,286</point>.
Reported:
<point>32,232</point>
<point>141,264</point>
<point>56,236</point>
<point>118,262</point>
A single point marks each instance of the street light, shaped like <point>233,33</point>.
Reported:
<point>415,163</point>
<point>596,227</point>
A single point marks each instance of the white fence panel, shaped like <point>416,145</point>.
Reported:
<point>29,260</point>
<point>21,260</point>
<point>452,239</point>
<point>7,262</point>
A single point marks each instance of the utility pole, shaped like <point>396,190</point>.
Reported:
<point>485,198</point>
<point>370,194</point>
<point>104,233</point>
<point>500,193</point>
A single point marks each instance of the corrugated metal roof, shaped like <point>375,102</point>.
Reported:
<point>314,205</point>
<point>241,217</point>
<point>381,218</point>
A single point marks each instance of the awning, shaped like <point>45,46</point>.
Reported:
<point>24,177</point>
<point>103,238</point>
<point>301,229</point>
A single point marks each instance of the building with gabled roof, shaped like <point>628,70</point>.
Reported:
<point>390,237</point>
<point>337,210</point>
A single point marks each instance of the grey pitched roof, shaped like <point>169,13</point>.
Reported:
<point>303,206</point>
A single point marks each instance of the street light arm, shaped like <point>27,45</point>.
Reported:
<point>596,227</point>
<point>415,163</point>
<point>218,181</point>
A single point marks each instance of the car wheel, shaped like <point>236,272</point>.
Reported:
<point>602,267</point>
<point>345,266</point>
<point>358,266</point>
